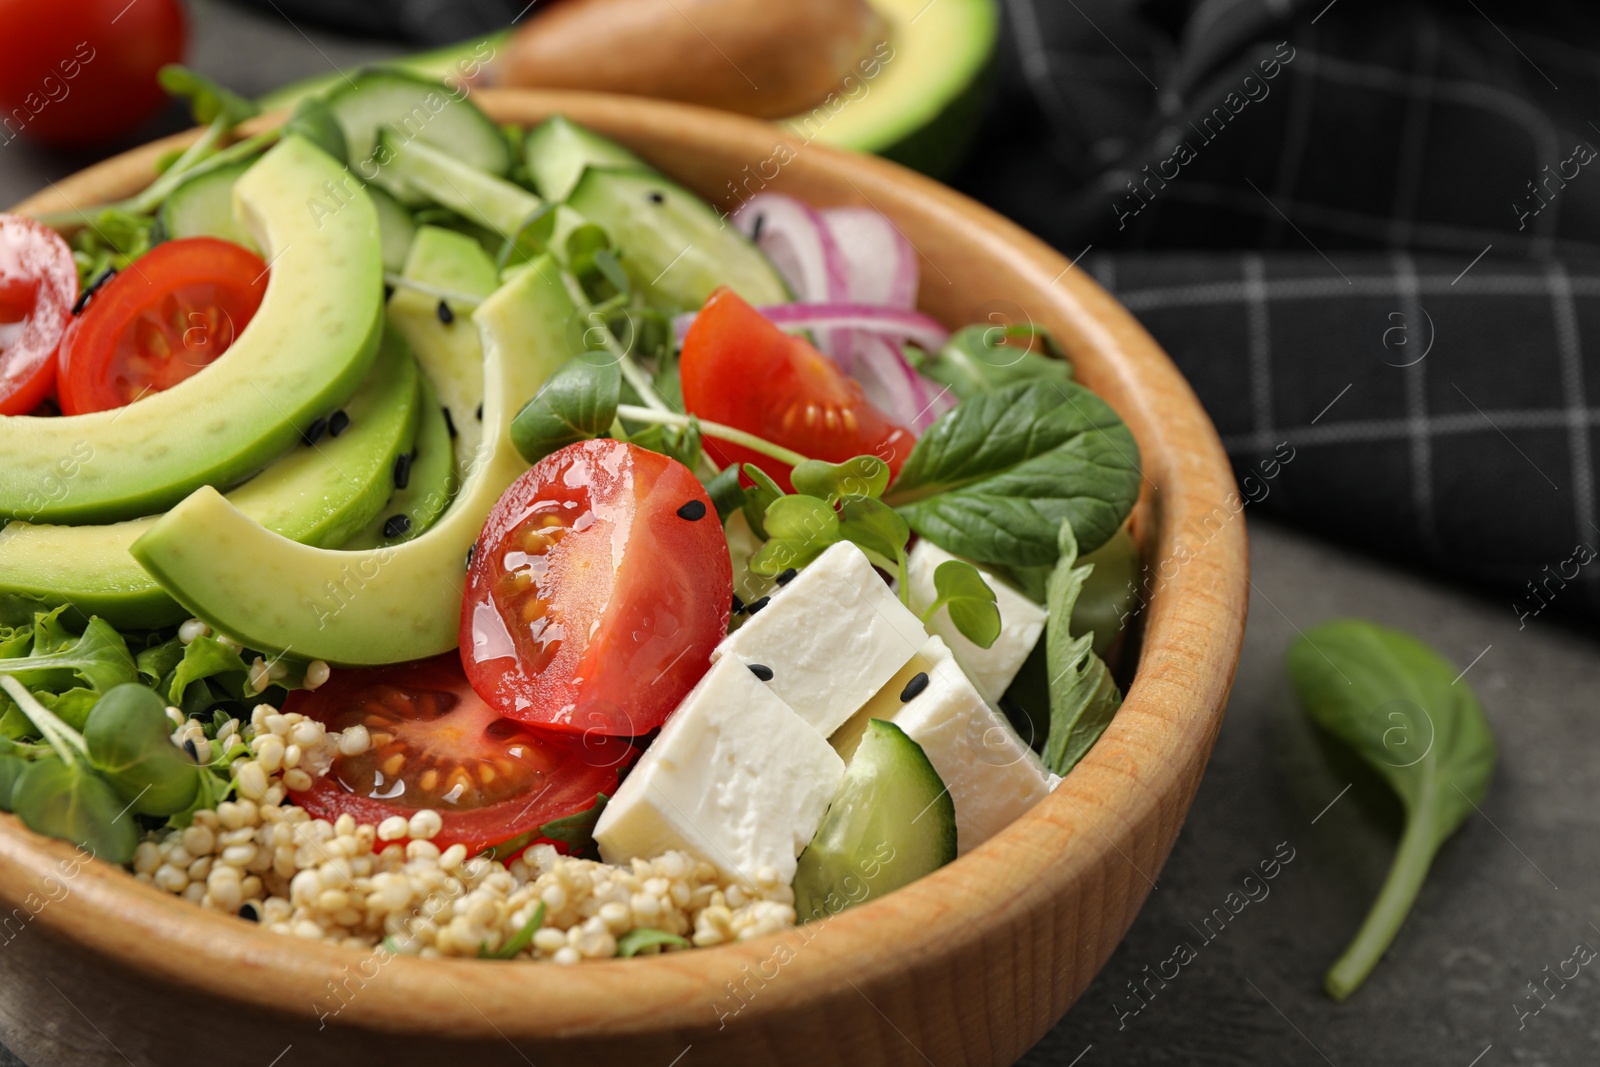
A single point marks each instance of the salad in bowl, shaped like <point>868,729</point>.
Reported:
<point>452,539</point>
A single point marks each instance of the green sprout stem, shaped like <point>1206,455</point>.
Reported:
<point>67,742</point>
<point>712,429</point>
<point>1406,875</point>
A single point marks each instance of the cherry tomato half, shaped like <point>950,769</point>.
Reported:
<point>742,371</point>
<point>38,286</point>
<point>597,590</point>
<point>436,745</point>
<point>168,316</point>
<point>76,72</point>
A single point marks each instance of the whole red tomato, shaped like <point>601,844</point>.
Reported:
<point>75,72</point>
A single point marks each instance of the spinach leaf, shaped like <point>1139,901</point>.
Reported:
<point>980,359</point>
<point>640,938</point>
<point>1083,698</point>
<point>1403,710</point>
<point>576,831</point>
<point>995,477</point>
<point>578,402</point>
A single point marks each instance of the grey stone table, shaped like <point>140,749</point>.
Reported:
<point>1513,893</point>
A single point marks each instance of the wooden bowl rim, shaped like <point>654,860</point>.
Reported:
<point>1193,631</point>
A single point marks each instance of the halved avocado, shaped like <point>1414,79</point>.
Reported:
<point>919,104</point>
<point>308,348</point>
<point>319,495</point>
<point>387,604</point>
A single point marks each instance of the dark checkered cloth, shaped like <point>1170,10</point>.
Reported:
<point>1379,226</point>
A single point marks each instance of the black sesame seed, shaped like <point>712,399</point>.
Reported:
<point>388,291</point>
<point>449,423</point>
<point>247,912</point>
<point>479,412</point>
<point>396,526</point>
<point>759,604</point>
<point>787,576</point>
<point>657,198</point>
<point>314,432</point>
<point>189,747</point>
<point>472,550</point>
<point>694,511</point>
<point>738,605</point>
<point>446,316</point>
<point>93,288</point>
<point>338,423</point>
<point>760,670</point>
<point>914,688</point>
<point>755,231</point>
<point>402,470</point>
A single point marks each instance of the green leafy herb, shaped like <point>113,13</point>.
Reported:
<point>726,494</point>
<point>758,498</point>
<point>682,443</point>
<point>576,831</point>
<point>71,706</point>
<point>1083,698</point>
<point>11,768</point>
<point>71,802</point>
<point>314,120</point>
<point>578,402</point>
<point>640,938</point>
<point>204,657</point>
<point>799,529</point>
<point>994,478</point>
<point>110,239</point>
<point>863,476</point>
<point>1109,594</point>
<point>960,588</point>
<point>59,660</point>
<point>207,100</point>
<point>129,742</point>
<point>519,940</point>
<point>980,359</point>
<point>1403,710</point>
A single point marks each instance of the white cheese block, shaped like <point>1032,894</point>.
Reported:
<point>735,777</point>
<point>992,775</point>
<point>1021,622</point>
<point>832,637</point>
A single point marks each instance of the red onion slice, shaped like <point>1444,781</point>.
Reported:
<point>880,264</point>
<point>921,330</point>
<point>799,244</point>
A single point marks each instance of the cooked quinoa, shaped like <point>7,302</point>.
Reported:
<point>365,886</point>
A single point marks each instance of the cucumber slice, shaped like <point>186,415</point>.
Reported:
<point>416,109</point>
<point>674,245</point>
<point>891,822</point>
<point>431,479</point>
<point>559,150</point>
<point>395,229</point>
<point>202,206</point>
<point>431,175</point>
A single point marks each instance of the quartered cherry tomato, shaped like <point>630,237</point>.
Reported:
<point>38,286</point>
<point>167,317</point>
<point>597,590</point>
<point>741,370</point>
<point>436,744</point>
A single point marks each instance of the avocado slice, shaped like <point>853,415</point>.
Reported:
<point>317,494</point>
<point>382,605</point>
<point>430,481</point>
<point>450,353</point>
<point>306,351</point>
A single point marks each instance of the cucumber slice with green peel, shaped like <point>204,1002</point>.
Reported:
<point>415,110</point>
<point>203,207</point>
<point>558,151</point>
<point>427,174</point>
<point>317,495</point>
<point>674,246</point>
<point>451,353</point>
<point>396,230</point>
<point>891,822</point>
<point>430,480</point>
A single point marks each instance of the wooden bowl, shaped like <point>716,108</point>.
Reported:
<point>970,965</point>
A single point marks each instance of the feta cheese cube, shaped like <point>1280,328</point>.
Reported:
<point>1021,622</point>
<point>735,777</point>
<point>992,775</point>
<point>832,637</point>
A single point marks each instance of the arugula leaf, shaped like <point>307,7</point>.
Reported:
<point>99,658</point>
<point>980,359</point>
<point>72,706</point>
<point>519,940</point>
<point>726,494</point>
<point>1110,593</point>
<point>758,498</point>
<point>863,476</point>
<point>995,477</point>
<point>959,587</point>
<point>640,938</point>
<point>578,402</point>
<point>576,831</point>
<point>1404,711</point>
<point>204,657</point>
<point>207,100</point>
<point>159,660</point>
<point>799,529</point>
<point>1083,698</point>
